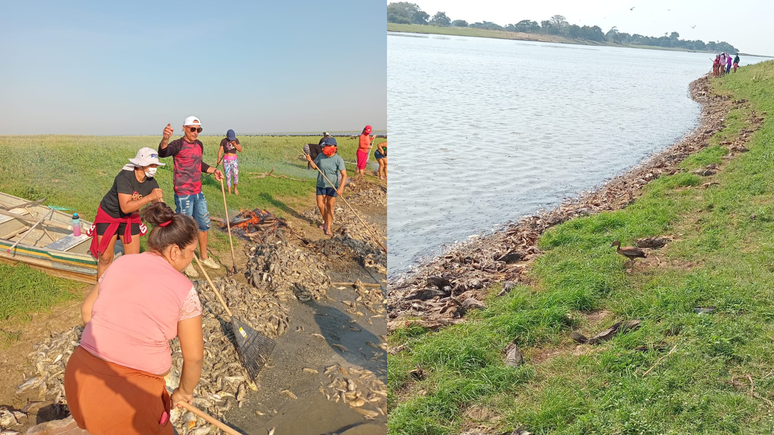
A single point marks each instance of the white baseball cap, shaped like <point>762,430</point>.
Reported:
<point>146,156</point>
<point>192,120</point>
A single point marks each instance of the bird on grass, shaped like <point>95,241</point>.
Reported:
<point>629,252</point>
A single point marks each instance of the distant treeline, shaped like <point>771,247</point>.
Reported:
<point>410,13</point>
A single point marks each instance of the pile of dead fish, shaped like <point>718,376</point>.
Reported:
<point>345,247</point>
<point>50,360</point>
<point>369,194</point>
<point>224,383</point>
<point>439,292</point>
<point>355,231</point>
<point>287,271</point>
<point>359,388</point>
<point>10,419</point>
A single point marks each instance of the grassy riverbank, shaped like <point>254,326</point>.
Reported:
<point>711,373</point>
<point>77,171</point>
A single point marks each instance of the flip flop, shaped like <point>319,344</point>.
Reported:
<point>328,233</point>
<point>322,227</point>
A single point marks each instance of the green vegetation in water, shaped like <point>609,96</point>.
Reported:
<point>722,257</point>
<point>24,290</point>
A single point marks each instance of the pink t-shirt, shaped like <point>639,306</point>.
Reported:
<point>141,299</point>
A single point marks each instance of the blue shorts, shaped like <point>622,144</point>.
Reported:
<point>196,207</point>
<point>378,155</point>
<point>327,191</point>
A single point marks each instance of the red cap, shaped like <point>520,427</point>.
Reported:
<point>367,129</point>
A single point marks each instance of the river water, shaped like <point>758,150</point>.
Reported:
<point>484,131</point>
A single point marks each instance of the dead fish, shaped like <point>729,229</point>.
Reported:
<point>31,382</point>
<point>289,394</point>
<point>271,432</point>
<point>352,328</point>
<point>373,345</point>
<point>340,347</point>
<point>204,430</point>
<point>259,413</point>
<point>312,371</point>
<point>299,328</point>
<point>356,403</point>
<point>367,413</point>
<point>320,336</point>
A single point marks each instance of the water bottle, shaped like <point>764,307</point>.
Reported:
<point>76,225</point>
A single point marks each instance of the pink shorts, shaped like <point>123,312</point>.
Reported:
<point>362,158</point>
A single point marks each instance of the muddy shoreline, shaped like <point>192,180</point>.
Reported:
<point>439,292</point>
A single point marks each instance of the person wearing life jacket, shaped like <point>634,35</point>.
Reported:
<point>117,214</point>
<point>328,164</point>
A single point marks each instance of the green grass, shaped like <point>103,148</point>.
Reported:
<point>24,290</point>
<point>721,257</point>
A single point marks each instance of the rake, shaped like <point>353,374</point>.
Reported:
<point>254,348</point>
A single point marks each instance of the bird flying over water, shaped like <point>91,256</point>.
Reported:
<point>693,27</point>
<point>632,8</point>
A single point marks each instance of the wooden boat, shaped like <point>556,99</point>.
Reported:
<point>50,246</point>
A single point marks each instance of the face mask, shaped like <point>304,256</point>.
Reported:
<point>329,151</point>
<point>150,172</point>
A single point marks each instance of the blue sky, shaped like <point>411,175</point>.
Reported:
<point>117,68</point>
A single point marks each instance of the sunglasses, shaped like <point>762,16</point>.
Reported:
<point>195,129</point>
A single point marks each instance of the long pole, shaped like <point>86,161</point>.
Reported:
<point>228,225</point>
<point>353,211</point>
<point>208,418</point>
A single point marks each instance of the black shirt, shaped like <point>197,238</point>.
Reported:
<point>127,183</point>
<point>227,147</point>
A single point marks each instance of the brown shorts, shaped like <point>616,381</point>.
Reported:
<point>107,398</point>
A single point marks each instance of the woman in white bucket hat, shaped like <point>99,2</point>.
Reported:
<point>118,213</point>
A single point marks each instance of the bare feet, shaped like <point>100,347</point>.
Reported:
<point>236,192</point>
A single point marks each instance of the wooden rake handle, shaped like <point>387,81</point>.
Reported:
<point>228,225</point>
<point>215,289</point>
<point>210,419</point>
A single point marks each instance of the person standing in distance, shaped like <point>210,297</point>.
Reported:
<point>228,150</point>
<point>187,152</point>
<point>365,141</point>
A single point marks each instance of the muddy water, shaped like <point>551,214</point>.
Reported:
<point>484,131</point>
<point>312,413</point>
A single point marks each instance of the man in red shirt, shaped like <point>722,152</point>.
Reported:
<point>189,198</point>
